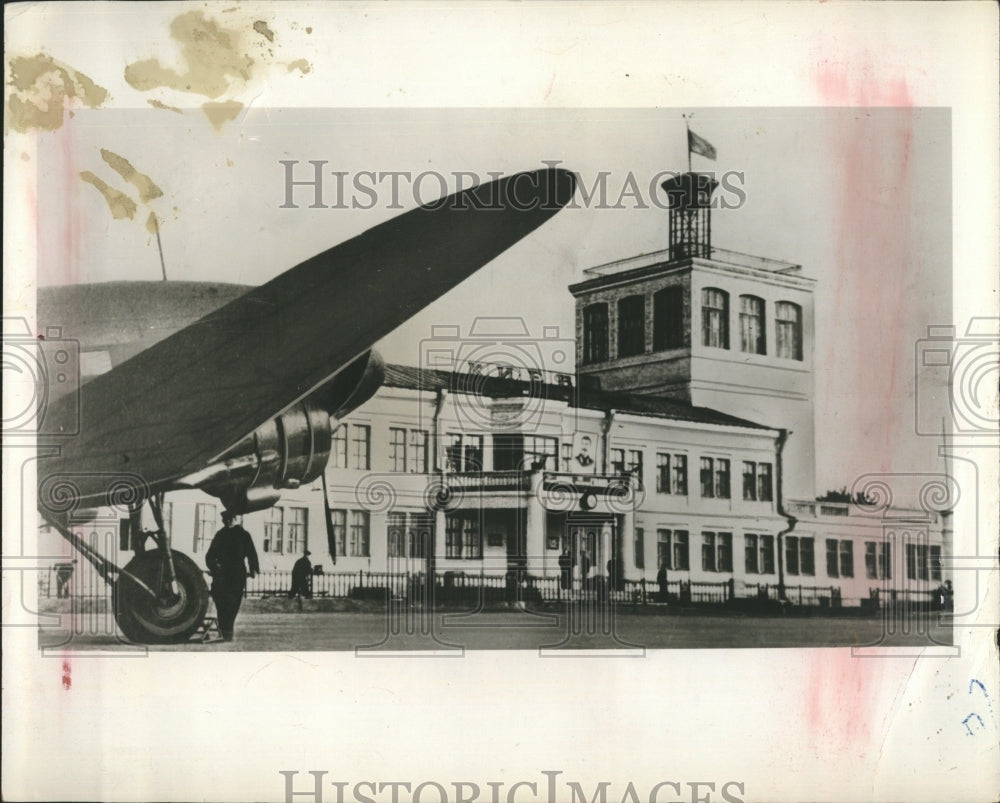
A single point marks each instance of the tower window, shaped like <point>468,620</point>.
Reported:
<point>752,325</point>
<point>668,318</point>
<point>788,317</point>
<point>715,318</point>
<point>595,333</point>
<point>631,326</point>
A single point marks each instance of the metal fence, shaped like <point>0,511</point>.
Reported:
<point>473,586</point>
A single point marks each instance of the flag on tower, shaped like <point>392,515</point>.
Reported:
<point>700,145</point>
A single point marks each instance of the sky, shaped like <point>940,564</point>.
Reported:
<point>858,197</point>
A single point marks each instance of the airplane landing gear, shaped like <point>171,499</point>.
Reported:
<point>174,611</point>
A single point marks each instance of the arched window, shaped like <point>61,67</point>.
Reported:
<point>715,318</point>
<point>631,326</point>
<point>668,318</point>
<point>788,318</point>
<point>595,333</point>
<point>752,340</point>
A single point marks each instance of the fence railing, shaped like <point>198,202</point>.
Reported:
<point>519,585</point>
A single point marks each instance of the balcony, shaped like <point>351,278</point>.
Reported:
<point>552,481</point>
<point>658,259</point>
<point>490,481</point>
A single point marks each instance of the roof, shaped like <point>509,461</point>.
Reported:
<point>430,379</point>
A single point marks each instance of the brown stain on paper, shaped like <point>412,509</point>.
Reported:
<point>43,89</point>
<point>219,114</point>
<point>119,203</point>
<point>215,57</point>
<point>123,167</point>
<point>158,105</point>
<point>261,27</point>
<point>216,63</point>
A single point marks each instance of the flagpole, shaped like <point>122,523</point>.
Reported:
<point>687,128</point>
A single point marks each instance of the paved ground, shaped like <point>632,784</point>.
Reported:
<point>652,628</point>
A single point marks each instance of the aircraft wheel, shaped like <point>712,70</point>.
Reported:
<point>169,619</point>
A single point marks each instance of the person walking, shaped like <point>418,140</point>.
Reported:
<point>228,559</point>
<point>301,579</point>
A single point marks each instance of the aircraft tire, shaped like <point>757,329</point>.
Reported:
<point>141,619</point>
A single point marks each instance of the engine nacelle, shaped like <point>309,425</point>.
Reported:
<point>286,452</point>
<point>291,449</point>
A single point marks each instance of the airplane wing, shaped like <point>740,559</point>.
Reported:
<point>186,400</point>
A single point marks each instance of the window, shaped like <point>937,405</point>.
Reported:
<point>799,556</point>
<point>707,488</point>
<point>358,543</point>
<point>639,544</point>
<point>453,537</point>
<point>631,326</point>
<point>832,562</point>
<point>668,318</point>
<point>750,548</point>
<point>911,561</point>
<point>752,325</point>
<point>472,542</point>
<point>464,452</point>
<point>847,559</point>
<point>935,563</point>
<point>397,449</point>
<point>679,478</point>
<point>204,525</point>
<point>298,534</point>
<point>708,552</point>
<point>681,562</point>
<point>722,478</point>
<point>767,554</point>
<point>595,333</point>
<point>338,447</point>
<point>764,486</point>
<point>462,537</point>
<point>878,560</point>
<point>515,452</point>
<point>338,525</point>
<point>350,445</point>
<point>715,318</point>
<point>724,552</point>
<point>749,481</point>
<point>788,325</point>
<point>662,473</point>
<point>922,572</point>
<point>416,458</point>
<point>634,466</point>
<point>541,450</point>
<point>395,525</point>
<point>361,436</point>
<point>663,549</point>
<point>274,525</point>
<point>876,563</point>
<point>617,461</point>
<point>408,450</point>
<point>671,474</point>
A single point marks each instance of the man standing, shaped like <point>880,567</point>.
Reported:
<point>227,558</point>
<point>301,579</point>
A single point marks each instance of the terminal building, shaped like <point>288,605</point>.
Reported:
<point>684,443</point>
